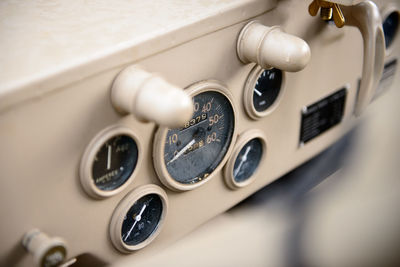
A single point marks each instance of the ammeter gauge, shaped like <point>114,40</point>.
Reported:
<point>187,157</point>
<point>249,151</point>
<point>138,218</point>
<point>109,162</point>
<point>262,89</point>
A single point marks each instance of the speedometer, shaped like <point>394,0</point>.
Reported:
<point>187,157</point>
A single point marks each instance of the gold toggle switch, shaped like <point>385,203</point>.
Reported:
<point>328,11</point>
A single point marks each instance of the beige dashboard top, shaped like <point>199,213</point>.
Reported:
<point>84,31</point>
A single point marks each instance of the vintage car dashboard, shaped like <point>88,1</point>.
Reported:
<point>126,125</point>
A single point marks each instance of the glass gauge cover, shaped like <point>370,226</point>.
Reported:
<point>114,162</point>
<point>186,157</point>
<point>266,89</point>
<point>247,160</point>
<point>138,218</point>
<point>109,162</point>
<point>249,152</point>
<point>142,219</point>
<point>391,27</point>
<point>262,90</point>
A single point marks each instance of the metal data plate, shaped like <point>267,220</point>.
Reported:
<point>322,115</point>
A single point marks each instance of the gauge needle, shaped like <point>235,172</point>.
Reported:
<point>257,92</point>
<point>242,160</point>
<point>183,150</point>
<point>109,157</point>
<point>137,218</point>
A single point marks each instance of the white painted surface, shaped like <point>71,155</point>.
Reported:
<point>40,39</point>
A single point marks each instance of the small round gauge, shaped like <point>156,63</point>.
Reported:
<point>247,156</point>
<point>138,218</point>
<point>187,157</point>
<point>391,27</point>
<point>262,89</point>
<point>109,162</point>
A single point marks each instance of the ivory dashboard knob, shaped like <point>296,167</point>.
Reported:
<point>272,47</point>
<point>151,98</point>
<point>47,251</point>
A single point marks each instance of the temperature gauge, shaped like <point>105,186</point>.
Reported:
<point>186,157</point>
<point>109,162</point>
<point>138,218</point>
<point>262,89</point>
<point>246,158</point>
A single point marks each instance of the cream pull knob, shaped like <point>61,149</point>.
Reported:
<point>272,47</point>
<point>46,251</point>
<point>150,98</point>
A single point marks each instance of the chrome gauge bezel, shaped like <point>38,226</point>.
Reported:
<point>160,136</point>
<point>85,170</point>
<point>242,141</point>
<point>122,209</point>
<point>248,93</point>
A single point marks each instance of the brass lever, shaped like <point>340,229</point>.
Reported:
<point>328,10</point>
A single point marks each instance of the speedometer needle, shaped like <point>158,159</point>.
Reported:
<point>183,150</point>
<point>137,218</point>
<point>242,160</point>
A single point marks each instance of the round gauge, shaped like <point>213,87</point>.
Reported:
<point>138,218</point>
<point>109,162</point>
<point>187,157</point>
<point>391,27</point>
<point>261,91</point>
<point>247,156</point>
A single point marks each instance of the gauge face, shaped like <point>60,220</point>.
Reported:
<point>138,218</point>
<point>249,151</point>
<point>114,162</point>
<point>194,151</point>
<point>142,219</point>
<point>247,160</point>
<point>187,157</point>
<point>390,28</point>
<point>266,89</point>
<point>109,162</point>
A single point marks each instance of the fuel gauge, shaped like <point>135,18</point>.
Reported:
<point>246,158</point>
<point>262,90</point>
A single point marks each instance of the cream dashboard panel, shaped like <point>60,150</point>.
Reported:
<point>44,138</point>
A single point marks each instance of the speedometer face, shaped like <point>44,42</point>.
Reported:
<point>192,153</point>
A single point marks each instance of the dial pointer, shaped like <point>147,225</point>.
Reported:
<point>242,159</point>
<point>137,218</point>
<point>183,150</point>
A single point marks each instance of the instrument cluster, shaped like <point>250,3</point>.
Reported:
<point>187,156</point>
<point>184,158</point>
